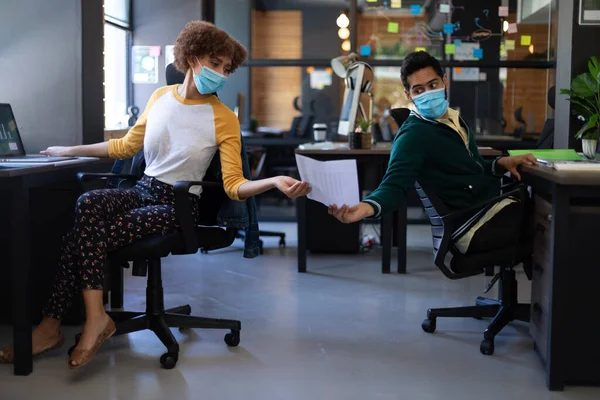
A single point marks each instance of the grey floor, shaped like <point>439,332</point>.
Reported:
<point>341,331</point>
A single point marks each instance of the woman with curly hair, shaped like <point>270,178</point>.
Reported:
<point>180,131</point>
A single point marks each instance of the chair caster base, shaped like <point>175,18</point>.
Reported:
<point>232,339</point>
<point>429,325</point>
<point>169,360</point>
<point>487,347</point>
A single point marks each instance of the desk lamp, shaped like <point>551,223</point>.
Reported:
<point>357,75</point>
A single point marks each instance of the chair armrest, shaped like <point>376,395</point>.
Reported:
<point>91,176</point>
<point>183,211</point>
<point>83,177</point>
<point>518,192</point>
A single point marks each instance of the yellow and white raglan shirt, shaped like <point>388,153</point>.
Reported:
<point>180,138</point>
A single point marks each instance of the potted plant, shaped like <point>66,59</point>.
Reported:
<point>585,97</point>
<point>362,134</point>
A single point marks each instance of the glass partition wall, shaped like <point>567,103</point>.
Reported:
<point>499,56</point>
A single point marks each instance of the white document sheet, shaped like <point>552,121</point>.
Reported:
<point>332,182</point>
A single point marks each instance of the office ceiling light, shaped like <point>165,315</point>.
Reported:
<point>343,21</point>
<point>505,26</point>
<point>344,33</point>
<point>346,45</point>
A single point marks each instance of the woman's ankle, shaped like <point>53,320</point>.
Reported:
<point>49,325</point>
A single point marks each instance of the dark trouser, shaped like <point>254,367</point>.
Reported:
<point>500,230</point>
<point>106,220</point>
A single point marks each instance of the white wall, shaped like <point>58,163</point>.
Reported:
<point>40,69</point>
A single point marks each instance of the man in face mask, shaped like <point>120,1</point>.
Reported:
<point>436,147</point>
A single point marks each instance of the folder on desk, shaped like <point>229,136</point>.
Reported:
<point>550,154</point>
<point>561,159</point>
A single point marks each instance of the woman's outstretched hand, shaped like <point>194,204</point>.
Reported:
<point>291,187</point>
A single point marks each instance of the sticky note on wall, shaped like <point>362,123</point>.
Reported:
<point>503,11</point>
<point>396,4</point>
<point>450,49</point>
<point>509,45</point>
<point>478,53</point>
<point>445,8</point>
<point>415,9</point>
<point>525,40</point>
<point>365,50</point>
<point>448,28</point>
<point>420,49</point>
<point>512,28</point>
<point>457,43</point>
<point>154,51</point>
<point>392,27</point>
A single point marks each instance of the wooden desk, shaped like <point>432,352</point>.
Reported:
<point>566,274</point>
<point>373,162</point>
<point>16,186</point>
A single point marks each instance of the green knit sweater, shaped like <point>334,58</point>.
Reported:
<point>435,155</point>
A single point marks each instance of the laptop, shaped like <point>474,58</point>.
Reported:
<point>11,145</point>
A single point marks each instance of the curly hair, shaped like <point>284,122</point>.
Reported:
<point>201,38</point>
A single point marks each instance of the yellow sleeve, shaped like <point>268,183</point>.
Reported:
<point>133,141</point>
<point>227,130</point>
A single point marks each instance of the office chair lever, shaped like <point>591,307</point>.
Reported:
<point>492,283</point>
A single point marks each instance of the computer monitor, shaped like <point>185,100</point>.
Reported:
<point>10,139</point>
<point>359,80</point>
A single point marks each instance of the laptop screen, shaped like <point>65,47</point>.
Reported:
<point>10,140</point>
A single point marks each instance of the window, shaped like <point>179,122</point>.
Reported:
<point>117,35</point>
<point>115,77</point>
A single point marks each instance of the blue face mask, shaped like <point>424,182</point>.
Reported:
<point>209,81</point>
<point>432,104</point>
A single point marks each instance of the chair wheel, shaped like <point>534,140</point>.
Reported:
<point>169,360</point>
<point>232,339</point>
<point>428,325</point>
<point>487,347</point>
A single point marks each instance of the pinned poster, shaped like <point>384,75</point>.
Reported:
<point>420,49</point>
<point>457,43</point>
<point>509,45</point>
<point>450,49</point>
<point>365,50</point>
<point>478,53</point>
<point>445,8</point>
<point>396,4</point>
<point>392,27</point>
<point>512,28</point>
<point>525,40</point>
<point>466,74</point>
<point>448,29</point>
<point>465,51</point>
<point>415,9</point>
<point>503,11</point>
<point>144,64</point>
<point>483,76</point>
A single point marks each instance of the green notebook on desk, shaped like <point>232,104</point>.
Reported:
<point>550,154</point>
<point>567,159</point>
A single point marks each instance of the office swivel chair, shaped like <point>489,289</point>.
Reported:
<point>546,140</point>
<point>445,232</point>
<point>520,130</point>
<point>146,255</point>
<point>446,229</point>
